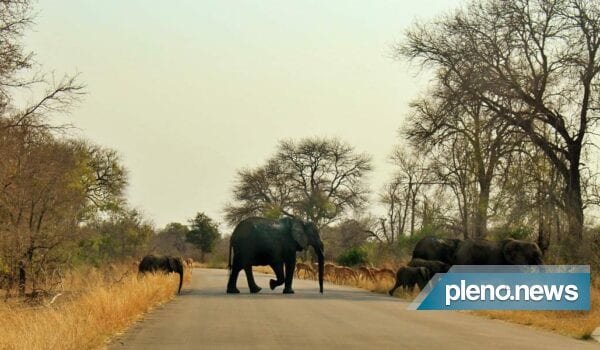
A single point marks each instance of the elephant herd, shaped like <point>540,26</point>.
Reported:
<point>263,241</point>
<point>433,255</point>
<point>436,255</point>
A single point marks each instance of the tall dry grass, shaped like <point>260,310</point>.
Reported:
<point>577,324</point>
<point>93,305</point>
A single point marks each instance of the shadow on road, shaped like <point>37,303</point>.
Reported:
<point>304,289</point>
<point>300,294</point>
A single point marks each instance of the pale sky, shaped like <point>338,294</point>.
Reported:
<point>190,91</point>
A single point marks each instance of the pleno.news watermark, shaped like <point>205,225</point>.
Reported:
<point>549,287</point>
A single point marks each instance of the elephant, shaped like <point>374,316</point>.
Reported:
<point>152,263</point>
<point>433,266</point>
<point>505,252</point>
<point>408,276</point>
<point>433,248</point>
<point>262,241</point>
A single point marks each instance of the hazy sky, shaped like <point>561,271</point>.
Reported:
<point>190,91</point>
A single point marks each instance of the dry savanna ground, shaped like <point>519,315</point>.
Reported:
<point>91,306</point>
<point>577,324</point>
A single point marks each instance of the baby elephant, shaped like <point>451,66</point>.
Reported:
<point>433,266</point>
<point>153,263</point>
<point>408,276</point>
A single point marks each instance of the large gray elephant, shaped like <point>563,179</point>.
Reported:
<point>261,241</point>
<point>437,249</point>
<point>504,252</point>
<point>152,263</point>
<point>408,276</point>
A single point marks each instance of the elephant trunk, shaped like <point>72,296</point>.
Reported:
<point>180,272</point>
<point>320,260</point>
<point>180,282</point>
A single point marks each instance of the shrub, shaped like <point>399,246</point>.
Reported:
<point>353,257</point>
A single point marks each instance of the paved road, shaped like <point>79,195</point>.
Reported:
<point>204,317</point>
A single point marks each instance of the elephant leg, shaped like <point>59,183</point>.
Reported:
<point>289,276</point>
<point>231,285</point>
<point>250,277</point>
<point>278,269</point>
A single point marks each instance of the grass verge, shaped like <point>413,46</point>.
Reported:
<point>576,324</point>
<point>93,305</point>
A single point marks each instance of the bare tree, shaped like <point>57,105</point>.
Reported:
<point>16,77</point>
<point>412,173</point>
<point>446,115</point>
<point>534,64</point>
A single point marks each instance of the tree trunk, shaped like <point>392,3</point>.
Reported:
<point>574,202</point>
<point>545,213</point>
<point>481,211</point>
<point>413,206</point>
<point>22,278</point>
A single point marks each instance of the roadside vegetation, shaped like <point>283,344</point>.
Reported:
<point>92,305</point>
<point>577,324</point>
<point>69,241</point>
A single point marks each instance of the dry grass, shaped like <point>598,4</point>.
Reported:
<point>577,324</point>
<point>93,306</point>
<point>262,269</point>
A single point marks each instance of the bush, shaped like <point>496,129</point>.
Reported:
<point>352,257</point>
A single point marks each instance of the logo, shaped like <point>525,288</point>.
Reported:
<point>507,287</point>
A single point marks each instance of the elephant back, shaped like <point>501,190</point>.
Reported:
<point>436,249</point>
<point>479,252</point>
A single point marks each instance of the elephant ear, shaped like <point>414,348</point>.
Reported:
<point>297,230</point>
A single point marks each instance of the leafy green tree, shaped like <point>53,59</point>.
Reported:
<point>122,234</point>
<point>203,233</point>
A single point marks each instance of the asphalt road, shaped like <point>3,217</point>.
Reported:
<point>204,317</point>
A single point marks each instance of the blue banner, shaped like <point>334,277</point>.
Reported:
<point>514,287</point>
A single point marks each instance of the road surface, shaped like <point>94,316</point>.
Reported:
<point>204,317</point>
